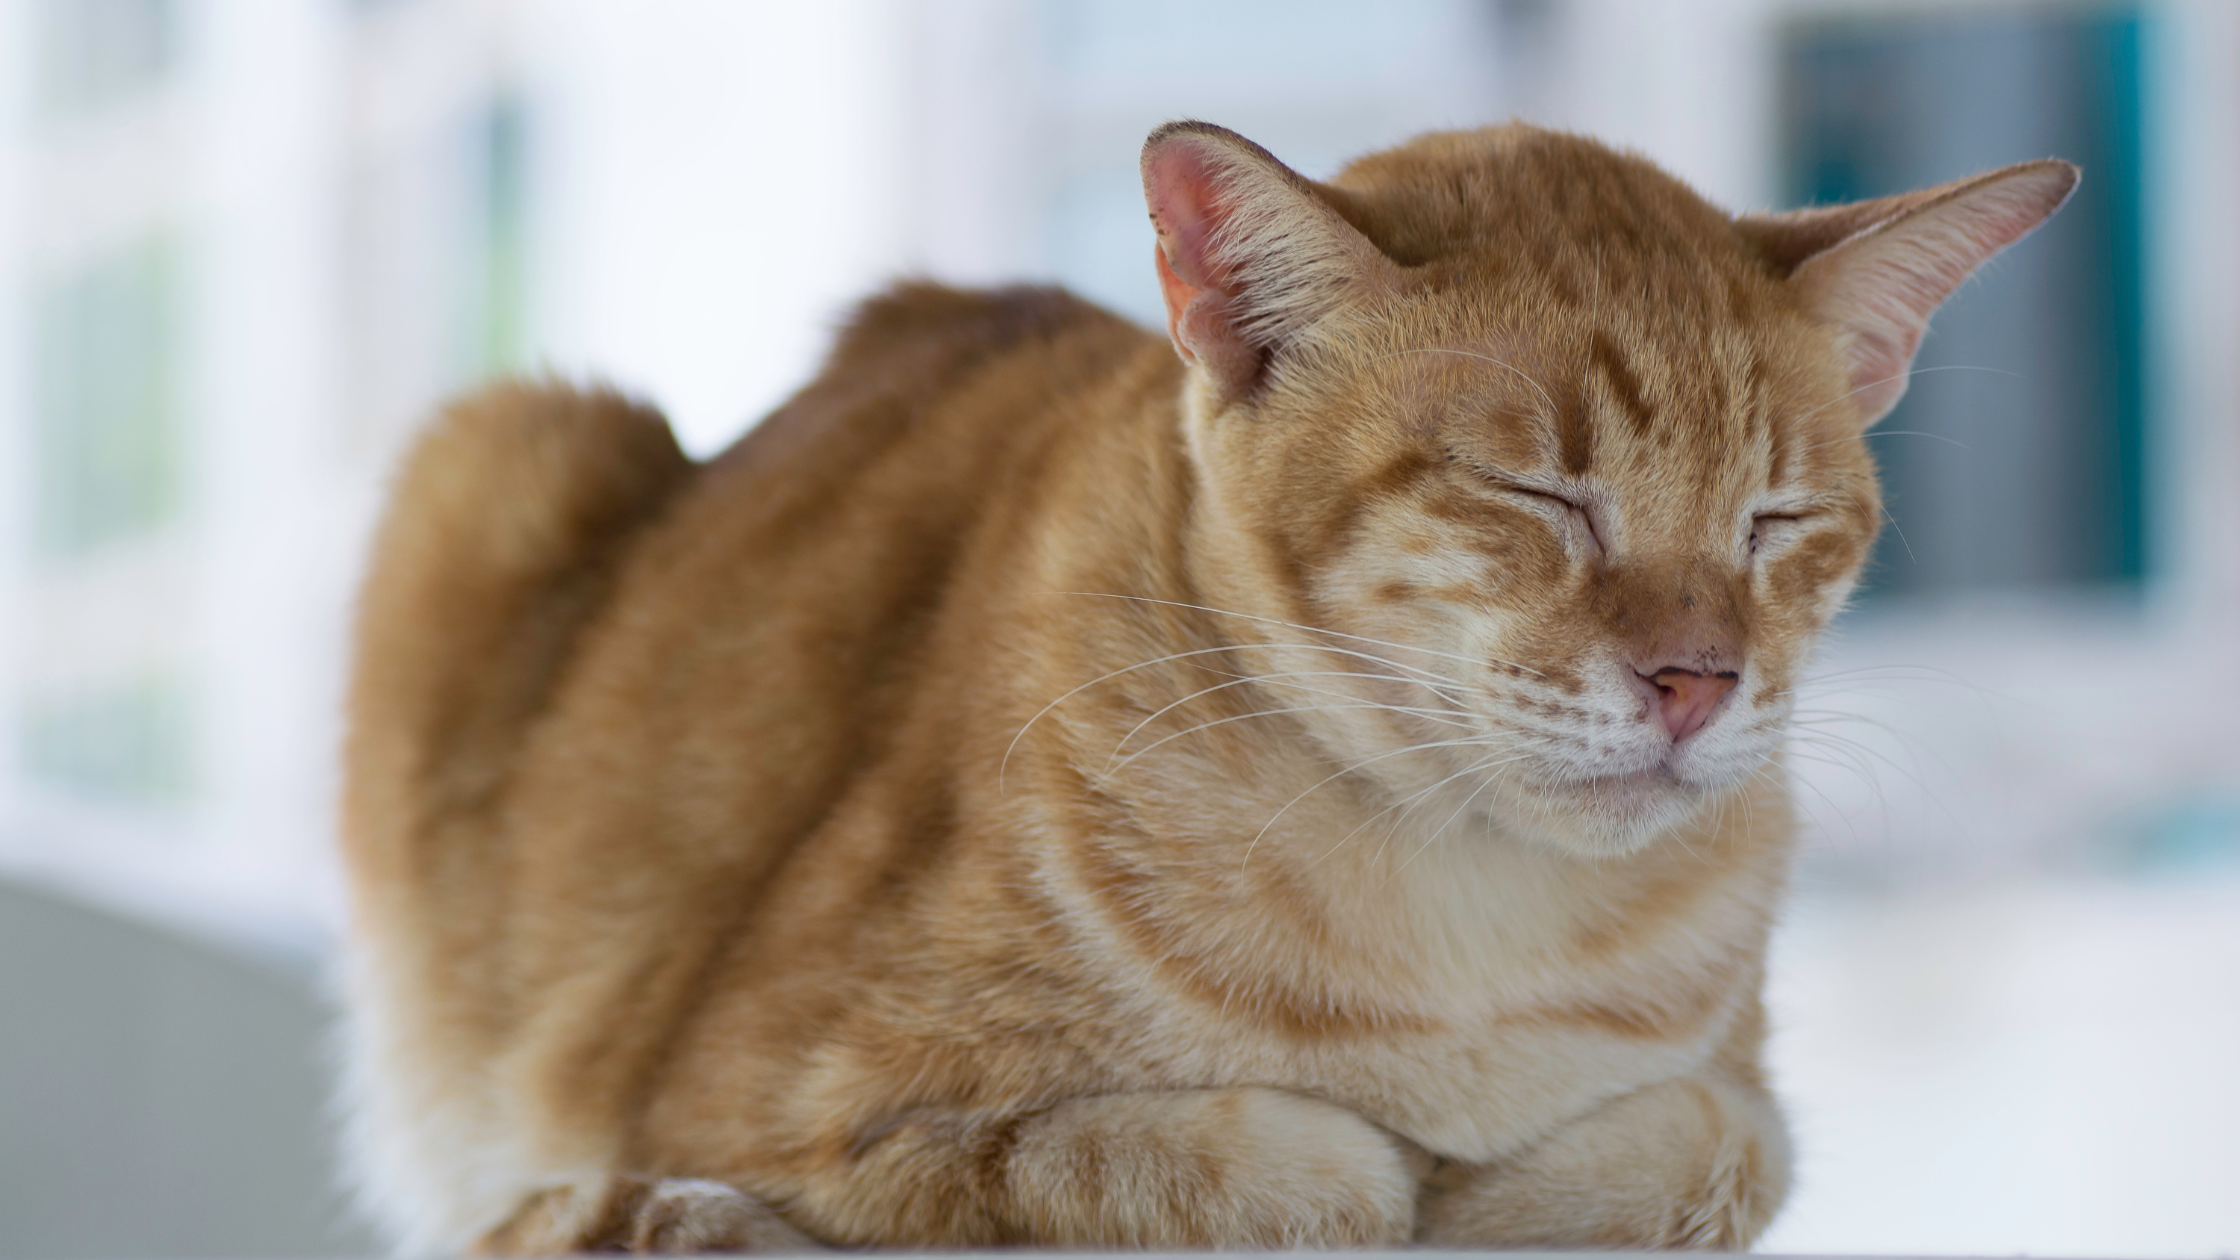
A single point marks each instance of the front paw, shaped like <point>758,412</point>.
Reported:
<point>1230,1168</point>
<point>615,1214</point>
<point>1309,1174</point>
<point>1687,1164</point>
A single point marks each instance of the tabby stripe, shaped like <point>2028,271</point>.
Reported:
<point>1623,383</point>
<point>1574,436</point>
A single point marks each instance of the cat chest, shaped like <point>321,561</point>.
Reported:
<point>1469,1075</point>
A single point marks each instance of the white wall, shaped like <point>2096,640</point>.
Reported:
<point>724,181</point>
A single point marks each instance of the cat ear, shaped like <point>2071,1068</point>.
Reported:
<point>1876,270</point>
<point>1250,253</point>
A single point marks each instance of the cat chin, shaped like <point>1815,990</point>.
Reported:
<point>1613,816</point>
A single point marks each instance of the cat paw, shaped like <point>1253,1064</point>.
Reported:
<point>1237,1168</point>
<point>1685,1165</point>
<point>1316,1176</point>
<point>630,1215</point>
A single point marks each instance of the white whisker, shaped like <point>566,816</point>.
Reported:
<point>1004,765</point>
<point>1243,679</point>
<point>1446,716</point>
<point>1883,433</point>
<point>1553,410</point>
<point>1409,803</point>
<point>1902,376</point>
<point>1349,769</point>
<point>1442,828</point>
<point>1901,535</point>
<point>1106,776</point>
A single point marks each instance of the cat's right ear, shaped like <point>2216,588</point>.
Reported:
<point>1249,255</point>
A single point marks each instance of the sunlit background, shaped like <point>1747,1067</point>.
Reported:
<point>246,244</point>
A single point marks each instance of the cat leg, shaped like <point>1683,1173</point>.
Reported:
<point>673,1216</point>
<point>1225,1168</point>
<point>1701,1162</point>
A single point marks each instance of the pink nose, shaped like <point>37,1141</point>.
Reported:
<point>1686,698</point>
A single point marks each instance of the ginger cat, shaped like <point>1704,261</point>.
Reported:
<point>1314,784</point>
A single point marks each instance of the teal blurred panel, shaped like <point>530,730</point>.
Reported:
<point>2017,458</point>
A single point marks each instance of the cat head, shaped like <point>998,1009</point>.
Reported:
<point>1567,458</point>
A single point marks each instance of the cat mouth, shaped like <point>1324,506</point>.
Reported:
<point>1628,796</point>
<point>1660,778</point>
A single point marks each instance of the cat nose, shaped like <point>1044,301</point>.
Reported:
<point>1684,698</point>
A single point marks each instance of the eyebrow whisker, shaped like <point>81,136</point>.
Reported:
<point>1471,354</point>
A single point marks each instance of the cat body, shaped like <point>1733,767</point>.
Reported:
<point>1316,788</point>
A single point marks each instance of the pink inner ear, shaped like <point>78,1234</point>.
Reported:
<point>1186,210</point>
<point>1881,288</point>
<point>1177,294</point>
<point>1250,255</point>
<point>1183,209</point>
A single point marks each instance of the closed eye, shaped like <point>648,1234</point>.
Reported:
<point>1770,527</point>
<point>1562,505</point>
<point>1543,496</point>
<point>1566,508</point>
<point>1508,484</point>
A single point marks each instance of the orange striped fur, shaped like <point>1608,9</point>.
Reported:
<point>1319,788</point>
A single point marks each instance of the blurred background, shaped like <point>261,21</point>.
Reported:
<point>246,244</point>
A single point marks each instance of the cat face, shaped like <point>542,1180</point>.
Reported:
<point>1612,549</point>
<point>1577,453</point>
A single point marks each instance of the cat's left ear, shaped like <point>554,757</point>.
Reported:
<point>1876,270</point>
<point>1251,255</point>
